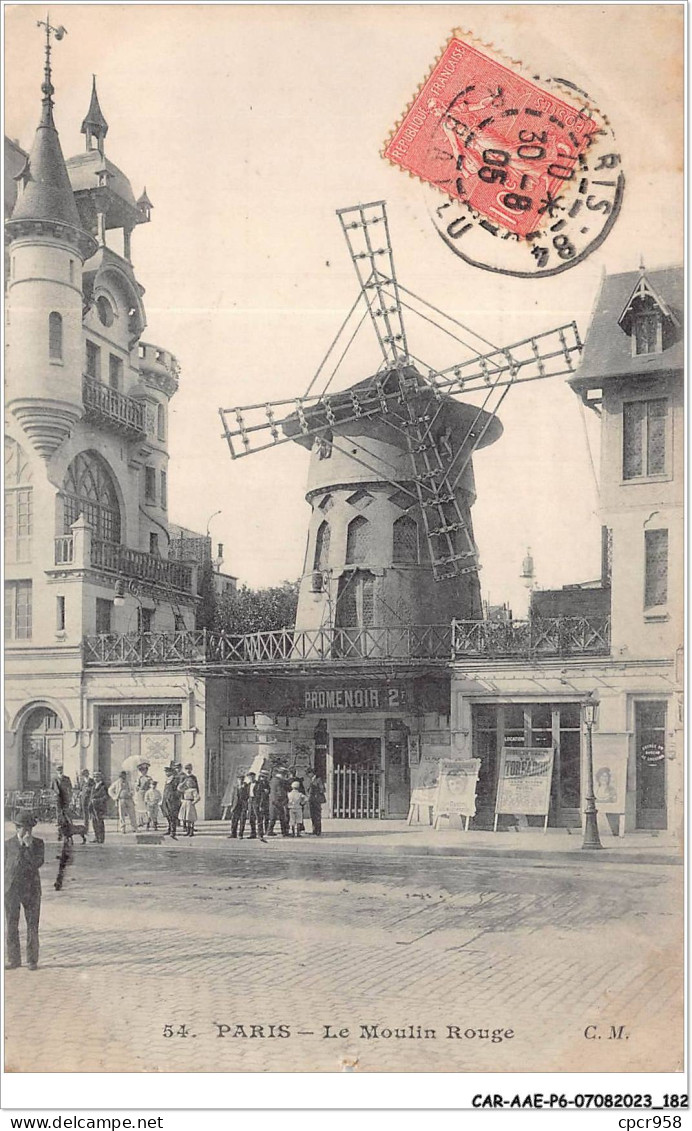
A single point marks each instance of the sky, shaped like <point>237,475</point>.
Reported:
<point>250,126</point>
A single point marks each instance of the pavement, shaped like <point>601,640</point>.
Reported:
<point>376,948</point>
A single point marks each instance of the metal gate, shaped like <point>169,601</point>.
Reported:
<point>356,791</point>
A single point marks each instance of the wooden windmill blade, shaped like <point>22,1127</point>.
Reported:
<point>366,229</point>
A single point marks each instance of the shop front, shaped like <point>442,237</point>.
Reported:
<point>552,726</point>
<point>359,732</point>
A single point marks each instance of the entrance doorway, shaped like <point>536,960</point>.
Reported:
<point>356,777</point>
<point>397,788</point>
<point>650,743</point>
<point>42,748</point>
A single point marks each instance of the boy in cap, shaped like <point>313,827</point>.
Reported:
<point>24,855</point>
<point>296,801</point>
<point>152,800</point>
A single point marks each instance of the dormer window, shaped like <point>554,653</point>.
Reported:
<point>649,322</point>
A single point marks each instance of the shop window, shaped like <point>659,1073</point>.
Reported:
<point>358,541</point>
<point>656,568</point>
<point>104,616</point>
<point>321,560</point>
<point>93,360</point>
<point>55,336</point>
<point>645,427</point>
<point>18,610</point>
<point>405,538</point>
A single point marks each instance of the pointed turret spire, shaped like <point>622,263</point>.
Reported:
<point>95,125</point>
<point>47,194</point>
<point>145,206</point>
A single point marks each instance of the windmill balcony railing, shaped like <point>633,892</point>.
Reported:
<point>105,405</point>
<point>471,640</point>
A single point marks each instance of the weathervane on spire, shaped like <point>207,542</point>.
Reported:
<point>47,86</point>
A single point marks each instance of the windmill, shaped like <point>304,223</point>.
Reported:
<point>405,406</point>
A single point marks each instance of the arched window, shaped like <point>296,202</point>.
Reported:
<point>42,747</point>
<point>88,489</point>
<point>18,504</point>
<point>405,550</point>
<point>321,560</point>
<point>55,336</point>
<point>355,602</point>
<point>358,541</point>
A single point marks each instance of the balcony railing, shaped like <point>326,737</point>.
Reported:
<point>64,549</point>
<point>106,406</point>
<point>536,637</point>
<point>114,558</point>
<point>473,640</point>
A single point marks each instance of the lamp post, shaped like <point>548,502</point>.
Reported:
<point>211,516</point>
<point>591,837</point>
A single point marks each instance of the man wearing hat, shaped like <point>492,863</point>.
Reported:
<point>262,802</point>
<point>172,800</point>
<point>188,774</point>
<point>98,806</point>
<point>278,801</point>
<point>121,793</point>
<point>24,855</point>
<point>316,799</point>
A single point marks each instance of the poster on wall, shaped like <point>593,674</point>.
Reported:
<point>456,789</point>
<point>610,774</point>
<point>524,781</point>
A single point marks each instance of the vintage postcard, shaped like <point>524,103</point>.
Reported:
<point>344,433</point>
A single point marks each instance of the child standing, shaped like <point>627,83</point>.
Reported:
<point>152,801</point>
<point>296,801</point>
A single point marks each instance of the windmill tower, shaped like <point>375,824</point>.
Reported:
<point>390,484</point>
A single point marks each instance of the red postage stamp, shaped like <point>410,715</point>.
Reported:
<point>488,136</point>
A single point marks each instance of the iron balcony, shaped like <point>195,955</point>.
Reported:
<point>538,638</point>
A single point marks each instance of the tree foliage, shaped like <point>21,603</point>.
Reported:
<point>257,610</point>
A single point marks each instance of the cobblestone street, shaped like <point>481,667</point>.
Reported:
<point>211,933</point>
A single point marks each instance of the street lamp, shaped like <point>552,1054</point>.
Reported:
<point>591,837</point>
<point>211,516</point>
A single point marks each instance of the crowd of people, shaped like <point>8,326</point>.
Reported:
<point>138,803</point>
<point>281,798</point>
<point>262,801</point>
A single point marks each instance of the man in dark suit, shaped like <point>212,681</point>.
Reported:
<point>278,801</point>
<point>24,855</point>
<point>316,799</point>
<point>240,796</point>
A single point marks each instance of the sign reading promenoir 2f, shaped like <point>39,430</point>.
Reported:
<point>524,782</point>
<point>372,698</point>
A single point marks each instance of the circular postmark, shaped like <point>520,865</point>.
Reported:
<point>533,182</point>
